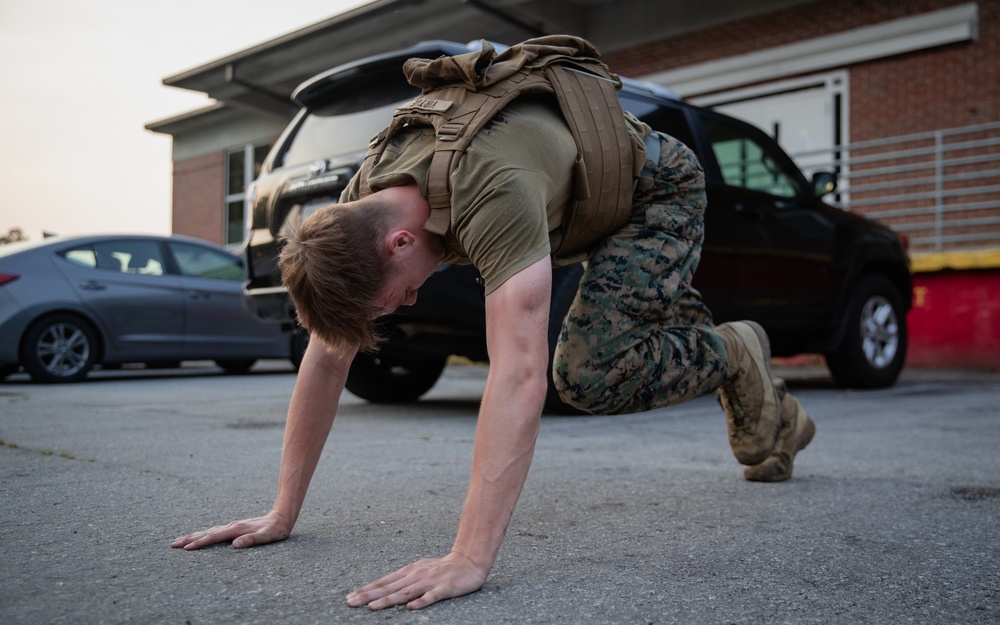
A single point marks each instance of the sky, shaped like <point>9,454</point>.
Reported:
<point>79,80</point>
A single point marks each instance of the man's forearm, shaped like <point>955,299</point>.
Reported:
<point>505,444</point>
<point>516,324</point>
<point>311,413</point>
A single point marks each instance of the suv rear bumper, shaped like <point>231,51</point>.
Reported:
<point>270,304</point>
<point>264,296</point>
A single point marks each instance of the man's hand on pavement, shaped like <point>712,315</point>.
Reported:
<point>421,584</point>
<point>246,533</point>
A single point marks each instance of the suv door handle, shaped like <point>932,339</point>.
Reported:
<point>748,212</point>
<point>93,285</point>
<point>199,294</point>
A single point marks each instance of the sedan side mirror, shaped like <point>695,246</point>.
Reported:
<point>824,182</point>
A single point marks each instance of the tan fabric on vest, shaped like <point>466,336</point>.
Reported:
<point>478,70</point>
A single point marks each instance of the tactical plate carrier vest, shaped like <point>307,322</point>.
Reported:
<point>462,93</point>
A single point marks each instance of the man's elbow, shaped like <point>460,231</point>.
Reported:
<point>522,381</point>
<point>539,387</point>
<point>535,381</point>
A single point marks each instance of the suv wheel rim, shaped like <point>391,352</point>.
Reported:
<point>879,332</point>
<point>63,349</point>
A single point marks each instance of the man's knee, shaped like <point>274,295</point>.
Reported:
<point>588,386</point>
<point>569,379</point>
<point>563,377</point>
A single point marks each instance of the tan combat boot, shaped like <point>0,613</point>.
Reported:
<point>748,396</point>
<point>796,430</point>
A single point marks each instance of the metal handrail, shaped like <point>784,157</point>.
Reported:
<point>941,187</point>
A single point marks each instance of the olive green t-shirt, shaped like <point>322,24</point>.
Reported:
<point>509,191</point>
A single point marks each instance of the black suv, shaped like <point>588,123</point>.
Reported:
<point>819,279</point>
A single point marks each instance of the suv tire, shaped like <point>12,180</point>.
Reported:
<point>237,366</point>
<point>385,381</point>
<point>565,281</point>
<point>874,346</point>
<point>300,341</point>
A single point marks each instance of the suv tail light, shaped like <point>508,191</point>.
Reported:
<point>7,277</point>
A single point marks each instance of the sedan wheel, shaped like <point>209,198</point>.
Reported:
<point>60,348</point>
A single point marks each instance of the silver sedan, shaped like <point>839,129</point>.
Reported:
<point>68,304</point>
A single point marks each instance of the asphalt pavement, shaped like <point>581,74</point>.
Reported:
<point>893,515</point>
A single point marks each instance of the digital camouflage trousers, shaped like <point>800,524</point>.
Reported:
<point>638,335</point>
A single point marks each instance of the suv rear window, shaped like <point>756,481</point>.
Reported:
<point>350,119</point>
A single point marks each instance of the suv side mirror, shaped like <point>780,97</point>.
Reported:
<point>824,182</point>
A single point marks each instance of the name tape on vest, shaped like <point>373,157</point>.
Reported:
<point>427,104</point>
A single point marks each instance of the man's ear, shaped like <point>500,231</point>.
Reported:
<point>398,241</point>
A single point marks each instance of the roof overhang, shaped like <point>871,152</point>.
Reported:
<point>262,77</point>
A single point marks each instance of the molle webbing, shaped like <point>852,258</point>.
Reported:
<point>462,93</point>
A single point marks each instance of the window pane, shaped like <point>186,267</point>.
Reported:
<point>202,262</point>
<point>236,181</point>
<point>234,221</point>
<point>328,126</point>
<point>131,256</point>
<point>83,256</point>
<point>743,162</point>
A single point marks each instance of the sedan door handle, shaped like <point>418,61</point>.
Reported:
<point>93,285</point>
<point>199,295</point>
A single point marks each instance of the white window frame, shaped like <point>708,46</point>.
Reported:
<point>249,151</point>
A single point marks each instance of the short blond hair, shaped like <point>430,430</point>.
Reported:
<point>333,266</point>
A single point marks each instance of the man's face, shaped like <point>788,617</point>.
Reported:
<point>405,274</point>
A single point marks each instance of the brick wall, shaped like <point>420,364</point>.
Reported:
<point>944,87</point>
<point>199,185</point>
